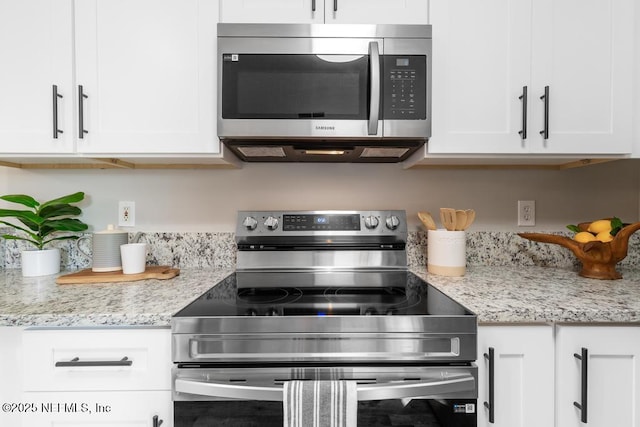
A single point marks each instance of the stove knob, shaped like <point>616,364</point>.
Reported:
<point>252,312</point>
<point>271,223</point>
<point>250,222</point>
<point>272,311</point>
<point>371,222</point>
<point>392,222</point>
<point>370,311</point>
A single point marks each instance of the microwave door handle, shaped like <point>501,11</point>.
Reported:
<point>374,89</point>
<point>400,390</point>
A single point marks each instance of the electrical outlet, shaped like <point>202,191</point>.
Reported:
<point>126,214</point>
<point>526,213</point>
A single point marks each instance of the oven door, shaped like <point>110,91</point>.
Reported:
<point>431,396</point>
<point>299,87</point>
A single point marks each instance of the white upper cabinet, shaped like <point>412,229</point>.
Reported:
<point>36,47</point>
<point>376,11</point>
<point>325,11</point>
<point>267,11</point>
<point>147,69</point>
<point>583,50</point>
<point>485,55</point>
<point>481,62</point>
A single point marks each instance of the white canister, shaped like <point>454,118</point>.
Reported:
<point>446,252</point>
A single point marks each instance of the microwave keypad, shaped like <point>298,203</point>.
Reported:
<point>404,87</point>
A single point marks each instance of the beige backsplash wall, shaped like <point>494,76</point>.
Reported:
<point>207,200</point>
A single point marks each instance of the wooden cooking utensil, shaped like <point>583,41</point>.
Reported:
<point>427,220</point>
<point>448,218</point>
<point>461,219</point>
<point>471,216</point>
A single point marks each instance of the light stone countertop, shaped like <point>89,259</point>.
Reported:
<point>542,294</point>
<point>495,294</point>
<point>41,302</point>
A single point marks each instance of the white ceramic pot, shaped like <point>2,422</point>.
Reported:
<point>40,262</point>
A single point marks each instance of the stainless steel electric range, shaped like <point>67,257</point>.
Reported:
<point>321,295</point>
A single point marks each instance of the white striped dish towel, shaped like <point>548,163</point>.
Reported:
<point>320,404</point>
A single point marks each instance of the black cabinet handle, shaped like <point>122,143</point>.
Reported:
<point>335,5</point>
<point>313,5</point>
<point>56,95</point>
<point>156,421</point>
<point>583,357</point>
<point>76,362</point>
<point>81,98</point>
<point>523,97</point>
<point>490,405</point>
<point>545,132</point>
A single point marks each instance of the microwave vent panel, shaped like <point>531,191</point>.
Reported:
<point>384,152</point>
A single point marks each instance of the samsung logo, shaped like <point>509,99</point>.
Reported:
<point>318,127</point>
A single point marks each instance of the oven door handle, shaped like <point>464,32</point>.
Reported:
<point>399,390</point>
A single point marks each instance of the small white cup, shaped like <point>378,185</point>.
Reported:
<point>134,257</point>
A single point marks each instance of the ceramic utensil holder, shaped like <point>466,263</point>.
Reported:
<point>446,252</point>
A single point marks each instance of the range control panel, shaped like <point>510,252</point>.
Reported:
<point>303,223</point>
<point>320,222</point>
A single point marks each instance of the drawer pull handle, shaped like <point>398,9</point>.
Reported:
<point>76,362</point>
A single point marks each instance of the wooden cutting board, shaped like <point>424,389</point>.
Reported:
<point>87,276</point>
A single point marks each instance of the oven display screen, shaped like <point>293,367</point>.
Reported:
<point>321,220</point>
<point>317,222</point>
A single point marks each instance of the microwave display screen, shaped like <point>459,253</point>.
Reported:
<point>294,87</point>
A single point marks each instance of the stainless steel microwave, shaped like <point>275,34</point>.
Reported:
<point>298,92</point>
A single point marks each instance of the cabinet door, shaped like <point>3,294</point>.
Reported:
<point>523,376</point>
<point>36,47</point>
<point>99,409</point>
<point>583,50</point>
<point>10,374</point>
<point>272,11</point>
<point>481,62</point>
<point>148,70</point>
<point>376,11</point>
<point>613,375</point>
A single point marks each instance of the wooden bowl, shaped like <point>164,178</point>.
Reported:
<point>598,259</point>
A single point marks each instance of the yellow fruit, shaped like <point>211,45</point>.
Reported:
<point>600,226</point>
<point>604,236</point>
<point>584,237</point>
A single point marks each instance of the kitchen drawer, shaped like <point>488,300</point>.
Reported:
<point>89,359</point>
<point>98,409</point>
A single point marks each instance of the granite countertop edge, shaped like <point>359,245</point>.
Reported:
<point>497,295</point>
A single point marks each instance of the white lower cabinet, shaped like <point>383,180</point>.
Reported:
<point>10,374</point>
<point>90,377</point>
<point>522,375</point>
<point>598,368</point>
<point>99,409</point>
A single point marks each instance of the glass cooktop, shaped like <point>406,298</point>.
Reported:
<point>322,293</point>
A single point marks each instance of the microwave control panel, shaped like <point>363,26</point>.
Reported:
<point>404,85</point>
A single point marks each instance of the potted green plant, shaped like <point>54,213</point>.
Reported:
<point>41,224</point>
